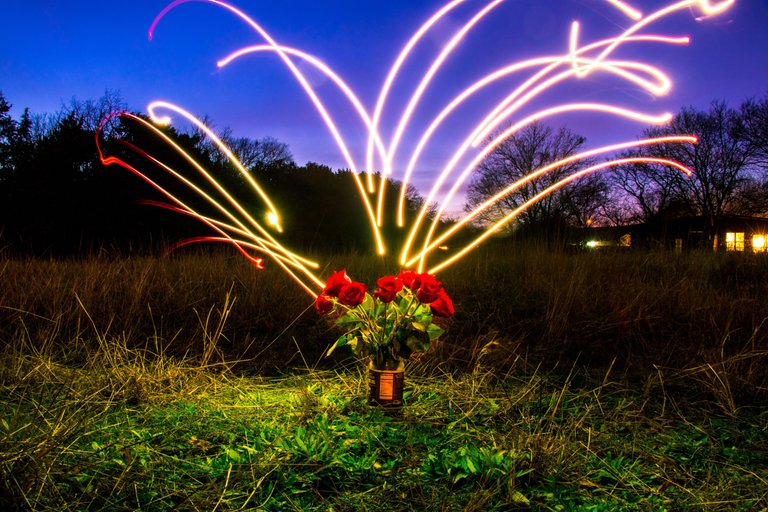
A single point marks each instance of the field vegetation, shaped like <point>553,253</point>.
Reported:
<point>585,381</point>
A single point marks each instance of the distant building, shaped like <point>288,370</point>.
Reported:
<point>729,233</point>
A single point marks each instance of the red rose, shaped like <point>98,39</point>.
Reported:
<point>410,279</point>
<point>352,294</point>
<point>443,306</point>
<point>388,288</point>
<point>429,289</point>
<point>323,305</point>
<point>336,282</point>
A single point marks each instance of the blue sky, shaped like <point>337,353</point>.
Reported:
<point>52,51</point>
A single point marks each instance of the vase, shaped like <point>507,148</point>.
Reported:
<point>385,387</point>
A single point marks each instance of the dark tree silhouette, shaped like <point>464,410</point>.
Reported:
<point>527,151</point>
<point>724,163</point>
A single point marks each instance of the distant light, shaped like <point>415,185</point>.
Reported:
<point>443,247</point>
<point>758,243</point>
<point>272,219</point>
<point>593,243</point>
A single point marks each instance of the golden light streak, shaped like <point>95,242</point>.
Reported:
<point>425,81</point>
<point>495,118</point>
<point>517,211</point>
<point>310,92</point>
<point>393,71</point>
<point>554,165</point>
<point>489,148</point>
<point>626,9</point>
<point>291,259</point>
<point>328,72</point>
<point>579,59</point>
<point>274,218</point>
<point>492,77</point>
<point>594,107</point>
<point>278,255</point>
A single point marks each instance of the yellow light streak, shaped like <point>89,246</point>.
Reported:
<point>425,81</point>
<point>517,211</point>
<point>492,77</point>
<point>278,255</point>
<point>394,70</point>
<point>578,60</point>
<point>519,183</point>
<point>626,9</point>
<point>310,92</point>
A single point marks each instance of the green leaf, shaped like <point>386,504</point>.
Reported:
<point>339,343</point>
<point>348,319</point>
<point>458,476</point>
<point>367,302</point>
<point>424,318</point>
<point>419,326</point>
<point>414,343</point>
<point>434,332</point>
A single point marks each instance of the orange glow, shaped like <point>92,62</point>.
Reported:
<point>758,243</point>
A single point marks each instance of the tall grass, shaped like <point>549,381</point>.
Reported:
<point>582,381</point>
<point>697,318</point>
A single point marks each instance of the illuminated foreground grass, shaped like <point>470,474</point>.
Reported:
<point>159,436</point>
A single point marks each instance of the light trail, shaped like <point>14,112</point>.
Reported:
<point>425,81</point>
<point>517,211</point>
<point>328,72</point>
<point>244,232</point>
<point>493,119</point>
<point>310,92</point>
<point>492,77</point>
<point>393,72</point>
<point>554,165</point>
<point>626,9</point>
<point>277,255</point>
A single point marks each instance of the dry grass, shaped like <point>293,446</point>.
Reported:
<point>585,382</point>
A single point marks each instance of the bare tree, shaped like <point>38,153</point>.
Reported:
<point>755,115</point>
<point>645,191</point>
<point>723,163</point>
<point>255,154</point>
<point>532,148</point>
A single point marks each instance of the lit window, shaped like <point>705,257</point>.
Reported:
<point>734,241</point>
<point>758,243</point>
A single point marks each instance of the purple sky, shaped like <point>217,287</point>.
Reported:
<point>54,50</point>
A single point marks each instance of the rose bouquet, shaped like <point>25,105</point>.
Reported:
<point>397,320</point>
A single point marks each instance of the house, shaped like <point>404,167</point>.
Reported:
<point>726,233</point>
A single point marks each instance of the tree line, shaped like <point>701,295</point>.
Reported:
<point>56,198</point>
<point>729,165</point>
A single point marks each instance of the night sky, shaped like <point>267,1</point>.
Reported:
<point>54,50</point>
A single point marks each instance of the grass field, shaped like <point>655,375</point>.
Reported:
<point>564,382</point>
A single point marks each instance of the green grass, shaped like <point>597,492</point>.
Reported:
<point>564,382</point>
<point>151,438</point>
